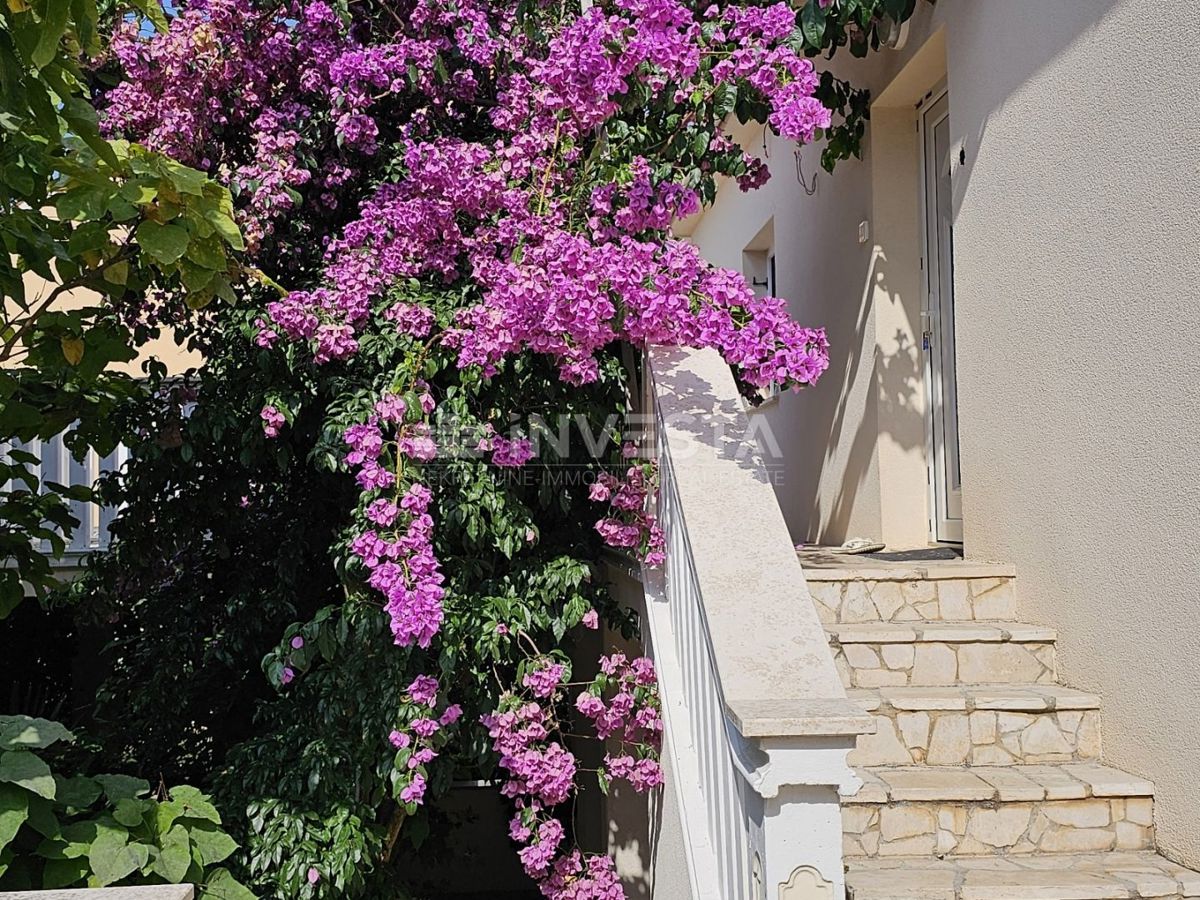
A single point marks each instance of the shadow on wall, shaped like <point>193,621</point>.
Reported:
<point>894,409</point>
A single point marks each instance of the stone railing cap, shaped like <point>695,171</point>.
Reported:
<point>771,651</point>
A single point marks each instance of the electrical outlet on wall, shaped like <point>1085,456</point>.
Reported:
<point>864,231</point>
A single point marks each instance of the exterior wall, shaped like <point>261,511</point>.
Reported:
<point>177,359</point>
<point>1075,266</point>
<point>826,465</point>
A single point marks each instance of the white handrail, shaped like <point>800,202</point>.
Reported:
<point>757,721</point>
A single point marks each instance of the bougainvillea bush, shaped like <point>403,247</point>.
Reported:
<point>406,453</point>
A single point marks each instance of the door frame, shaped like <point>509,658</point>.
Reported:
<point>942,528</point>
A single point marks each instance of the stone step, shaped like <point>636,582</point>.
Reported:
<point>976,725</point>
<point>1084,876</point>
<point>997,810</point>
<point>847,589</point>
<point>931,654</point>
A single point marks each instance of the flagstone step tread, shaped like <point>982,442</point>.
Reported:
<point>982,784</point>
<point>939,632</point>
<point>978,725</point>
<point>824,566</point>
<point>1088,876</point>
<point>974,697</point>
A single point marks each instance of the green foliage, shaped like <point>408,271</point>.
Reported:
<point>78,831</point>
<point>97,222</point>
<point>220,586</point>
<point>231,545</point>
<point>861,26</point>
<point>77,207</point>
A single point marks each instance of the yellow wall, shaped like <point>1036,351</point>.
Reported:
<point>177,359</point>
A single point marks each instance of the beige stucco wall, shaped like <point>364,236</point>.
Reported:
<point>826,478</point>
<point>1076,263</point>
<point>177,359</point>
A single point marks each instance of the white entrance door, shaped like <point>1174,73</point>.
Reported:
<point>938,313</point>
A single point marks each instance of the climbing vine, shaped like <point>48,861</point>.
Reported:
<point>458,216</point>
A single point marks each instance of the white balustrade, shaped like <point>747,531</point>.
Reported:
<point>59,466</point>
<point>757,722</point>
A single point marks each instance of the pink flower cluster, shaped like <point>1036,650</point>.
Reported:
<point>224,65</point>
<point>272,420</point>
<point>628,525</point>
<point>398,551</point>
<point>499,212</point>
<point>550,234</point>
<point>539,767</point>
<point>419,740</point>
<point>631,716</point>
<point>542,773</point>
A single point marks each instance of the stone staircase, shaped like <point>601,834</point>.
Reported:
<point>984,780</point>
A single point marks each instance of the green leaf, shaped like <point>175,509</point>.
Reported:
<point>213,844</point>
<point>812,23</point>
<point>72,348</point>
<point>77,792</point>
<point>221,885</point>
<point>117,273</point>
<point>55,19</point>
<point>185,180</point>
<point>221,219</point>
<point>118,787</point>
<point>196,278</point>
<point>207,252</point>
<point>129,812</point>
<point>165,814</point>
<point>77,838</point>
<point>174,855</point>
<point>61,873</point>
<point>22,768</point>
<point>81,116</point>
<point>42,818</point>
<point>152,11</point>
<point>163,243</point>
<point>195,804</point>
<point>11,592</point>
<point>17,732</point>
<point>14,810</point>
<point>112,857</point>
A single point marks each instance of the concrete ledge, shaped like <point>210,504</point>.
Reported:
<point>796,718</point>
<point>771,652</point>
<point>146,892</point>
